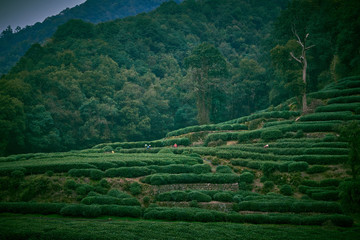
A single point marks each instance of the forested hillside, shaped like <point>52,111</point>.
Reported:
<point>127,79</point>
<point>203,61</point>
<point>14,43</point>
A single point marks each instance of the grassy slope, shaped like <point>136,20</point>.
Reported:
<point>26,227</point>
<point>311,147</point>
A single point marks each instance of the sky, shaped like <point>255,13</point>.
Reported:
<point>28,12</point>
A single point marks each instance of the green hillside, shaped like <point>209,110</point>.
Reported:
<point>138,78</point>
<point>187,122</point>
<point>15,42</point>
<point>127,80</point>
<point>272,167</point>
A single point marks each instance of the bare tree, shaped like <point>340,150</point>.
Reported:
<point>302,60</point>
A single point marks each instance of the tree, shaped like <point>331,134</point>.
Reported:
<point>303,61</point>
<point>207,69</point>
<point>350,132</point>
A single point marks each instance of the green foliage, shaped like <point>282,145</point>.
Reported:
<point>298,166</point>
<point>223,197</point>
<point>161,179</point>
<point>17,174</point>
<point>126,77</point>
<point>316,169</point>
<point>198,196</point>
<point>349,195</point>
<point>223,169</point>
<point>271,135</point>
<point>135,188</point>
<point>286,190</point>
<point>247,177</point>
<point>350,132</point>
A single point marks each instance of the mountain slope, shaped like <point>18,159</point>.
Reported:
<point>126,79</point>
<point>283,170</point>
<point>13,46</point>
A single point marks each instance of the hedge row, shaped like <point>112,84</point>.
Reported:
<point>181,214</point>
<point>277,132</point>
<point>133,172</point>
<point>272,114</point>
<point>141,144</point>
<point>162,179</point>
<point>199,196</point>
<point>76,210</point>
<point>323,183</point>
<point>347,99</point>
<point>325,116</point>
<point>305,143</point>
<point>277,123</point>
<point>290,206</point>
<point>334,93</point>
<point>109,200</point>
<point>308,127</point>
<point>353,107</point>
<point>310,159</point>
<point>347,82</point>
<point>290,151</point>
<point>212,127</point>
<point>94,167</point>
<point>193,214</point>
<point>285,166</point>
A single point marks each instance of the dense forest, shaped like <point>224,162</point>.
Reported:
<point>15,42</point>
<point>195,62</point>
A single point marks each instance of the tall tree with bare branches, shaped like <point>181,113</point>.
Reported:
<point>303,62</point>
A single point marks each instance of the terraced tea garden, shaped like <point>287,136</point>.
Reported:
<point>272,167</point>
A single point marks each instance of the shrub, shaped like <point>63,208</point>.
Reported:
<point>326,195</point>
<point>178,196</point>
<point>121,211</point>
<point>223,169</point>
<point>165,151</point>
<point>130,172</point>
<point>71,184</point>
<point>323,116</point>
<point>247,177</point>
<point>268,186</point>
<point>268,168</point>
<point>223,197</point>
<point>72,210</point>
<point>201,168</point>
<point>194,204</point>
<point>286,190</point>
<point>101,199</point>
<point>316,169</point>
<point>350,195</point>
<point>104,183</point>
<point>199,196</point>
<point>135,188</point>
<point>204,217</point>
<point>31,207</point>
<point>118,194</point>
<point>84,189</point>
<point>17,174</point>
<point>157,180</point>
<point>298,166</point>
<point>91,211</point>
<point>271,135</point>
<point>96,174</point>
<point>329,182</point>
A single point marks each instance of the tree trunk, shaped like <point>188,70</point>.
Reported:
<point>304,102</point>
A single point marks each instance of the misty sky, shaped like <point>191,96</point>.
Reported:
<point>28,12</point>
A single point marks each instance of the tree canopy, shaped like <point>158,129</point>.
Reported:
<point>128,79</point>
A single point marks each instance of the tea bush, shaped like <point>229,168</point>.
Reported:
<point>271,135</point>
<point>286,190</point>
